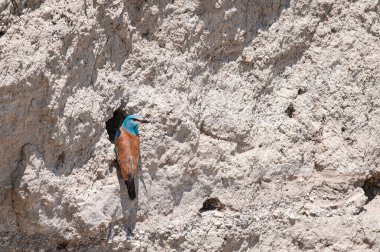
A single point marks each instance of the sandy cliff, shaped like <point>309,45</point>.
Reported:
<point>272,106</point>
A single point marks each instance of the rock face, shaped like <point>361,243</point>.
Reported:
<point>271,108</point>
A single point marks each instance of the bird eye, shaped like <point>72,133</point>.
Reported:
<point>135,120</point>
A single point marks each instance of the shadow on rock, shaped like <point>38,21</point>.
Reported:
<point>129,207</point>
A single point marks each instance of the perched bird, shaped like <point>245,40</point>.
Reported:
<point>127,149</point>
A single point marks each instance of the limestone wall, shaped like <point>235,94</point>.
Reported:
<point>271,106</point>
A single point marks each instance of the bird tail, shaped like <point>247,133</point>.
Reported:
<point>130,183</point>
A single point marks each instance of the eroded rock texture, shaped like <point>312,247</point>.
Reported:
<point>270,106</point>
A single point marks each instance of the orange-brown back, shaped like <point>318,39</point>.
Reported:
<point>128,152</point>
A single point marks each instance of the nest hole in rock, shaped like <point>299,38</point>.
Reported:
<point>113,124</point>
<point>145,35</point>
<point>319,167</point>
<point>301,91</point>
<point>371,187</point>
<point>212,204</point>
<point>62,246</point>
<point>290,110</point>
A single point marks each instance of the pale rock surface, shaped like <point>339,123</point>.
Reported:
<point>273,106</point>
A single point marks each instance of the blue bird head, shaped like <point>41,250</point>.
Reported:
<point>131,123</point>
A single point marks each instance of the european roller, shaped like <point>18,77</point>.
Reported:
<point>127,149</point>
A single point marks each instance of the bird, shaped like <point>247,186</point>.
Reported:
<point>127,150</point>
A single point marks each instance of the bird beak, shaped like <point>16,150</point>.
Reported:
<point>144,121</point>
